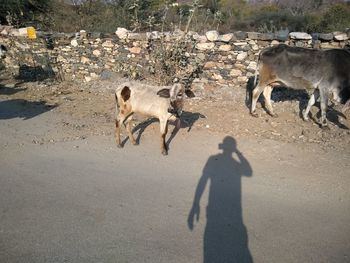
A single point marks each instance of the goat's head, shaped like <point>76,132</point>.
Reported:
<point>175,94</point>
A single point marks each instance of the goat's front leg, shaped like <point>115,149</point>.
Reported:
<point>117,133</point>
<point>163,131</point>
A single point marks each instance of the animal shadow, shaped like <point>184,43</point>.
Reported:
<point>10,91</point>
<point>187,121</point>
<point>333,116</point>
<point>19,108</point>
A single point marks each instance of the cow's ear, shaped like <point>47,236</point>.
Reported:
<point>189,93</point>
<point>164,93</point>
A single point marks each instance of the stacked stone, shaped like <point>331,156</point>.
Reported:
<point>227,59</point>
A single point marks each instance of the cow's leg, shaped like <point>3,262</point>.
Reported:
<point>313,98</point>
<point>255,95</point>
<point>129,130</point>
<point>267,96</point>
<point>323,102</point>
<point>163,125</point>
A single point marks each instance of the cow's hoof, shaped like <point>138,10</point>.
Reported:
<point>305,118</point>
<point>119,146</point>
<point>274,115</point>
<point>254,114</point>
<point>135,143</point>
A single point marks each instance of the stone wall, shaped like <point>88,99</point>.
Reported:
<point>226,59</point>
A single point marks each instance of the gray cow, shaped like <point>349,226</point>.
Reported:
<point>319,72</point>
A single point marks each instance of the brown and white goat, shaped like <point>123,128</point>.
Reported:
<point>162,102</point>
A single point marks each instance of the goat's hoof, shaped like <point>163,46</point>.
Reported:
<point>119,146</point>
<point>254,114</point>
<point>325,127</point>
<point>274,115</point>
<point>135,143</point>
<point>165,152</point>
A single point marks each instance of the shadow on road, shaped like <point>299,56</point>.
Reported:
<point>187,121</point>
<point>225,237</point>
<point>10,91</point>
<point>19,108</point>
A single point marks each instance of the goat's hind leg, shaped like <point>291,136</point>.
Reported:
<point>129,130</point>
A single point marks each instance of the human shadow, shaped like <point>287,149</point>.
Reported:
<point>225,237</point>
<point>187,121</point>
<point>19,108</point>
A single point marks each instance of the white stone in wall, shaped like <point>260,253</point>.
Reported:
<point>252,66</point>
<point>74,43</point>
<point>300,35</point>
<point>255,47</point>
<point>135,50</point>
<point>340,36</point>
<point>96,52</point>
<point>242,79</point>
<point>225,48</point>
<point>225,38</point>
<point>212,35</point>
<point>236,73</point>
<point>274,43</point>
<point>84,60</point>
<point>108,44</point>
<point>205,46</point>
<point>122,33</point>
<point>242,56</point>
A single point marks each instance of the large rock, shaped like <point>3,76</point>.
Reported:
<point>300,36</point>
<point>340,36</point>
<point>212,35</point>
<point>325,37</point>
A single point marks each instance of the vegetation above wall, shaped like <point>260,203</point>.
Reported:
<point>147,15</point>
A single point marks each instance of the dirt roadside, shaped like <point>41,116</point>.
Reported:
<point>89,110</point>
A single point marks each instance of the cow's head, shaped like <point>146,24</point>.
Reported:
<point>175,94</point>
<point>3,51</point>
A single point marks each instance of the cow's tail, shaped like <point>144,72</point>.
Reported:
<point>251,87</point>
<point>256,72</point>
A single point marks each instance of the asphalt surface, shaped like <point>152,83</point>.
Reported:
<point>85,200</point>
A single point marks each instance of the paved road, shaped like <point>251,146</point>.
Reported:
<point>87,201</point>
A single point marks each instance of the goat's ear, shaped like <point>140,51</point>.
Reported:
<point>126,93</point>
<point>164,93</point>
<point>189,93</point>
